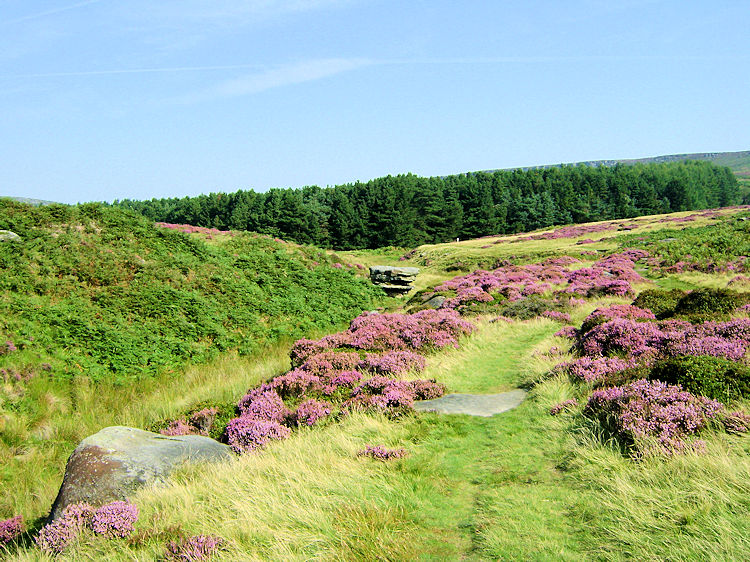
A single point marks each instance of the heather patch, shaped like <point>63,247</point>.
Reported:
<point>563,406</point>
<point>602,315</point>
<point>652,417</point>
<point>113,520</point>
<point>378,452</point>
<point>687,249</point>
<point>10,529</point>
<point>194,548</point>
<point>393,363</point>
<point>311,412</point>
<point>549,282</point>
<point>246,433</point>
<point>649,340</point>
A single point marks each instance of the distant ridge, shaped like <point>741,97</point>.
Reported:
<point>738,162</point>
<point>33,202</point>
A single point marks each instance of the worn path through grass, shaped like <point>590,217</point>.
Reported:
<point>471,488</point>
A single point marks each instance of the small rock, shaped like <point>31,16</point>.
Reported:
<point>112,464</point>
<point>9,236</point>
<point>436,301</point>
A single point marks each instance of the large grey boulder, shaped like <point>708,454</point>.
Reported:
<point>393,275</point>
<point>394,280</point>
<point>114,463</point>
<point>9,236</point>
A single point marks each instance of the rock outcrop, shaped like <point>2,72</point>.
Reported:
<point>112,464</point>
<point>394,280</point>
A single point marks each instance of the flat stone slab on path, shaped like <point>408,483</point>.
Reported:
<point>484,405</point>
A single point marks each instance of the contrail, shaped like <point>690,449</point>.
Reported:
<point>136,71</point>
<point>51,12</point>
<point>385,62</point>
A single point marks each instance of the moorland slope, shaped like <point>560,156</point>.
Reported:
<point>559,478</point>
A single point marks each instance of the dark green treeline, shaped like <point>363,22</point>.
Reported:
<point>408,210</point>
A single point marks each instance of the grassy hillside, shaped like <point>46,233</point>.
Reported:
<point>102,292</point>
<point>100,310</point>
<point>523,485</point>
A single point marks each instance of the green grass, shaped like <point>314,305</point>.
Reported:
<point>518,486</point>
<point>36,441</point>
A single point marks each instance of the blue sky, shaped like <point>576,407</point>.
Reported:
<point>106,99</point>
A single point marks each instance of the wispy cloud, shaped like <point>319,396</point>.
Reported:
<point>207,10</point>
<point>296,73</point>
<point>52,12</point>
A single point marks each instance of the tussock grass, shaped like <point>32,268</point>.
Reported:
<point>35,445</point>
<point>519,486</point>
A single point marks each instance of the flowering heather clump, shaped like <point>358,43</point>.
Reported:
<point>739,280</point>
<point>622,311</point>
<point>263,404</point>
<point>396,394</point>
<point>561,260</point>
<point>193,549</point>
<point>585,241</point>
<point>304,348</point>
<point>567,332</point>
<point>178,427</point>
<point>381,453</point>
<point>365,402</point>
<point>736,422</point>
<point>427,328</point>
<point>427,389</point>
<point>572,231</point>
<point>7,347</point>
<point>555,315</point>
<point>192,229</point>
<point>296,383</point>
<point>56,536</point>
<point>393,362</point>
<point>324,364</point>
<point>10,529</point>
<point>344,379</point>
<point>336,265</point>
<point>566,405</point>
<point>311,411</point>
<point>576,302</point>
<point>595,369</point>
<point>115,519</point>
<point>602,315</point>
<point>203,419</point>
<point>246,434</point>
<point>374,385</point>
<point>623,336</point>
<point>644,411</point>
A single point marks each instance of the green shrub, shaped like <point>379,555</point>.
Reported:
<point>528,308</point>
<point>661,302</point>
<point>101,291</point>
<point>714,377</point>
<point>710,303</point>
